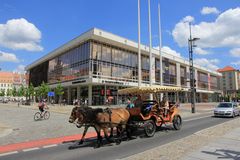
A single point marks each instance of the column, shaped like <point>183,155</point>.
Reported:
<point>69,95</point>
<point>178,72</point>
<point>153,70</point>
<point>90,95</point>
<point>78,93</point>
<point>196,77</point>
<point>188,76</point>
<point>209,81</point>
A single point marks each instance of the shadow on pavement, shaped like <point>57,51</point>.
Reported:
<point>224,154</point>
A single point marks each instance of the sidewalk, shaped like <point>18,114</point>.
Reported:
<point>217,142</point>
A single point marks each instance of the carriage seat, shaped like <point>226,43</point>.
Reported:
<point>147,107</point>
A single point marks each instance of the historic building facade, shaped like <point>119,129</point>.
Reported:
<point>230,81</point>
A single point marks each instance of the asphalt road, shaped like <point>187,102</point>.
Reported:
<point>70,151</point>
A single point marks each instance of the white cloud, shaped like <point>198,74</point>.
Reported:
<point>168,50</point>
<point>19,34</point>
<point>207,63</point>
<point>20,68</point>
<point>223,32</point>
<point>200,51</point>
<point>235,52</point>
<point>188,19</point>
<point>8,57</point>
<point>209,10</point>
<point>237,63</point>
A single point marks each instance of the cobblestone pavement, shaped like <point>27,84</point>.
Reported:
<point>17,124</point>
<point>221,141</point>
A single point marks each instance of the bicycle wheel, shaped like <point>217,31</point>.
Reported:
<point>37,116</point>
<point>46,115</point>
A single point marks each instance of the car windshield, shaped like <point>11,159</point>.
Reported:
<point>224,105</point>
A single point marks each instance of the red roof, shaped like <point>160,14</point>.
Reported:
<point>227,68</point>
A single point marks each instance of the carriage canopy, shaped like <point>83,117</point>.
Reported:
<point>149,89</point>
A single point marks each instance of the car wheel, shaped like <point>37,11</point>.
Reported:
<point>233,114</point>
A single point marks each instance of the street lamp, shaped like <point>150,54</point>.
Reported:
<point>192,72</point>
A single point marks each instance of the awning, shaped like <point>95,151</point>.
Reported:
<point>150,89</point>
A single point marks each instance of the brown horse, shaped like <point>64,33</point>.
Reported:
<point>84,116</point>
<point>113,117</point>
<point>100,119</point>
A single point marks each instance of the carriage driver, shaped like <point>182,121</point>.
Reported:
<point>165,105</point>
<point>138,102</point>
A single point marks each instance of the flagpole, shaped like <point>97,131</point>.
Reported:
<point>160,44</point>
<point>150,45</point>
<point>139,47</point>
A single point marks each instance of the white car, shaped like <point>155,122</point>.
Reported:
<point>227,109</point>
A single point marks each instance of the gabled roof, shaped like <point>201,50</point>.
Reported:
<point>226,69</point>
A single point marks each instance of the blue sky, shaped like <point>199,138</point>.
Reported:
<point>31,29</point>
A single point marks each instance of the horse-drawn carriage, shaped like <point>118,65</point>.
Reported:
<point>150,114</point>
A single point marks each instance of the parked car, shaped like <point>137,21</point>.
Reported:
<point>227,109</point>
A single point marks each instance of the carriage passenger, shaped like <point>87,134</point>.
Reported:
<point>129,104</point>
<point>165,105</point>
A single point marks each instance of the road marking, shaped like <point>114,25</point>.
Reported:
<point>8,153</point>
<point>30,149</point>
<point>49,146</point>
<point>196,118</point>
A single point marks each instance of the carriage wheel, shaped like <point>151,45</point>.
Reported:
<point>177,122</point>
<point>37,116</point>
<point>150,128</point>
<point>46,115</point>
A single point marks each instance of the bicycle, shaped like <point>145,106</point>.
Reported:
<point>44,115</point>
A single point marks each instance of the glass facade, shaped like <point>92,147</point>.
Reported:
<point>37,75</point>
<point>93,59</point>
<point>183,75</point>
<point>202,80</point>
<point>71,65</point>
<point>214,83</point>
<point>115,63</point>
<point>169,73</point>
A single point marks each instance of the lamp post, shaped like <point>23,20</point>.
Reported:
<point>192,72</point>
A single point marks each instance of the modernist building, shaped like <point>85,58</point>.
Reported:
<point>96,64</point>
<point>230,81</point>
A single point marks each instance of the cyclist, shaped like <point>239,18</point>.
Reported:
<point>41,106</point>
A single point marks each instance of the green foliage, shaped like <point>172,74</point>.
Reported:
<point>21,91</point>
<point>42,91</point>
<point>14,91</point>
<point>2,93</point>
<point>59,90</point>
<point>31,90</point>
<point>9,92</point>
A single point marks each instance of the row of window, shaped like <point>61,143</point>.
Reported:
<point>101,59</point>
<point>6,85</point>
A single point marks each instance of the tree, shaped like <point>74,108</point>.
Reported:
<point>31,90</point>
<point>44,89</point>
<point>59,91</point>
<point>37,92</point>
<point>2,93</point>
<point>21,91</point>
<point>9,92</point>
<point>14,92</point>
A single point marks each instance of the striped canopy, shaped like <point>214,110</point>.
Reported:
<point>147,90</point>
